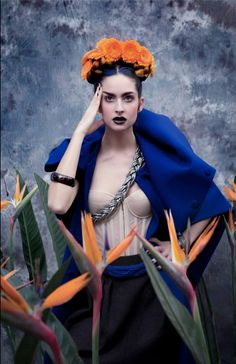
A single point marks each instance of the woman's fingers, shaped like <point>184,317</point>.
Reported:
<point>88,123</point>
<point>163,247</point>
<point>156,241</point>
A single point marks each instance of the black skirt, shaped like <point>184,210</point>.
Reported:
<point>133,327</point>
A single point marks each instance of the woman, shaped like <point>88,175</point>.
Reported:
<point>126,169</point>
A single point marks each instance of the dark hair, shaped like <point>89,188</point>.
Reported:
<point>115,69</point>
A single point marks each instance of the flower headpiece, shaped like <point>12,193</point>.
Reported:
<point>110,51</point>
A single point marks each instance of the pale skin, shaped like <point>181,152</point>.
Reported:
<point>116,96</point>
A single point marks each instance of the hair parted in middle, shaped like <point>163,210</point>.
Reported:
<point>115,69</point>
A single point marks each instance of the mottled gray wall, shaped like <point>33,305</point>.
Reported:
<point>43,96</point>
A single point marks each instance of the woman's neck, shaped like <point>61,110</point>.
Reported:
<point>119,141</point>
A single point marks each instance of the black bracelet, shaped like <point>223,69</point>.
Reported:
<point>61,178</point>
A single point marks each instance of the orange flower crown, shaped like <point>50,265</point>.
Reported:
<point>110,51</point>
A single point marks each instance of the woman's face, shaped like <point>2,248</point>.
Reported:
<point>120,103</point>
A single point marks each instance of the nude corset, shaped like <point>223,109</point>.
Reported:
<point>134,210</point>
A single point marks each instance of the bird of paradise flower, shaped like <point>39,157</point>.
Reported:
<point>177,270</point>
<point>18,201</point>
<point>17,312</point>
<point>91,259</point>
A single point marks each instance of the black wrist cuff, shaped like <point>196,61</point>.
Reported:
<point>61,178</point>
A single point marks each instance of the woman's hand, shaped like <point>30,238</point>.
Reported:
<point>163,247</point>
<point>88,124</point>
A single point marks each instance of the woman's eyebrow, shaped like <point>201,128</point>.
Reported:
<point>124,94</point>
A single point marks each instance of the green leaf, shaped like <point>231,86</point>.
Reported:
<point>208,321</point>
<point>58,239</point>
<point>177,313</point>
<point>56,279</point>
<point>25,202</point>
<point>27,349</point>
<point>32,243</point>
<point>68,348</point>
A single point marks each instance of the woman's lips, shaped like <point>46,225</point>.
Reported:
<point>119,120</point>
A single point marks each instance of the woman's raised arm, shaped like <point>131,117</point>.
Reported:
<point>61,196</point>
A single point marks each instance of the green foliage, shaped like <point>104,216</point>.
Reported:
<point>209,328</point>
<point>58,238</point>
<point>27,350</point>
<point>32,243</point>
<point>197,332</point>
<point>69,352</point>
<point>178,314</point>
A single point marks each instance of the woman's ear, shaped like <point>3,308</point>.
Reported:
<point>141,104</point>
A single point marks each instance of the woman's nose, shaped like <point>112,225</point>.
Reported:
<point>119,106</point>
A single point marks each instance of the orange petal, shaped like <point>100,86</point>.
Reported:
<point>65,292</point>
<point>4,204</point>
<point>22,192</point>
<point>178,255</point>
<point>9,306</point>
<point>145,57</point>
<point>231,221</point>
<point>10,274</point>
<point>89,239</point>
<point>203,239</point>
<point>231,195</point>
<point>86,68</point>
<point>116,252</point>
<point>11,292</point>
<point>17,191</point>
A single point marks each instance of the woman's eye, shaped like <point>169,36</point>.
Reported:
<point>109,98</point>
<point>128,98</point>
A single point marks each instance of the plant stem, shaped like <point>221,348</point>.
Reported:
<point>205,348</point>
<point>95,330</point>
<point>10,243</point>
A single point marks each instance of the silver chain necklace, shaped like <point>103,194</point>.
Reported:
<point>111,207</point>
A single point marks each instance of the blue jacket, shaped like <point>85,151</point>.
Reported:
<point>173,177</point>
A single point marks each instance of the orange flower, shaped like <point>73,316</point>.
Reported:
<point>142,72</point>
<point>111,48</point>
<point>101,44</point>
<point>86,69</point>
<point>94,54</point>
<point>18,195</point>
<point>65,292</point>
<point>130,51</point>
<point>11,295</point>
<point>145,57</point>
<point>4,204</point>
<point>91,248</point>
<point>181,260</point>
<point>153,66</point>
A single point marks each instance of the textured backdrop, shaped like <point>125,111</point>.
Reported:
<point>43,96</point>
